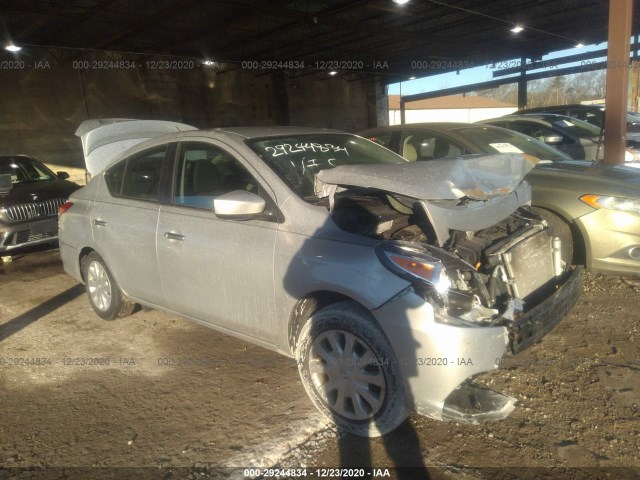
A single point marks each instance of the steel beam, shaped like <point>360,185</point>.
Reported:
<point>615,122</point>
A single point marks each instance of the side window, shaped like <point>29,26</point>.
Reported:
<point>420,145</point>
<point>534,130</point>
<point>138,176</point>
<point>382,138</point>
<point>205,172</point>
<point>594,119</point>
<point>579,114</point>
<point>113,178</point>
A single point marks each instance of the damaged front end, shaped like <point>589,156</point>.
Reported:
<point>487,277</point>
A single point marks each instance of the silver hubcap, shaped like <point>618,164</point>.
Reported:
<point>99,286</point>
<point>347,374</point>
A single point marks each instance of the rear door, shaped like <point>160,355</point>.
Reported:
<point>124,219</point>
<point>217,269</point>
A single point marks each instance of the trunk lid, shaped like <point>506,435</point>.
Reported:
<point>104,139</point>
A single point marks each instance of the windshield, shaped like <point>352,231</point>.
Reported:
<point>578,127</point>
<point>500,140</point>
<point>24,169</point>
<point>296,159</point>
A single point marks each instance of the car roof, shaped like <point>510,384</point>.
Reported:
<point>261,132</point>
<point>556,107</point>
<point>548,117</point>
<point>435,126</point>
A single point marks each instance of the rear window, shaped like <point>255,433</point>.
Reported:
<point>137,177</point>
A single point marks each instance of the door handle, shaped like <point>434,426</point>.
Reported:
<point>173,236</point>
<point>99,223</point>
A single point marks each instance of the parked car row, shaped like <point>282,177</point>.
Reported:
<point>593,114</point>
<point>577,139</point>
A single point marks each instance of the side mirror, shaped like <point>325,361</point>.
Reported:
<point>553,139</point>
<point>238,203</point>
<point>6,185</point>
<point>62,175</point>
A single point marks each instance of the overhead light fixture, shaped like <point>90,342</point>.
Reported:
<point>333,72</point>
<point>208,63</point>
<point>400,2</point>
<point>12,48</point>
<point>579,45</point>
<point>517,29</point>
<point>412,77</point>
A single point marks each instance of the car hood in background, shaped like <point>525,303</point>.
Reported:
<point>479,177</point>
<point>29,192</point>
<point>104,139</point>
<point>616,173</point>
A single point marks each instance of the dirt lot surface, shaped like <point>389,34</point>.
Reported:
<point>153,390</point>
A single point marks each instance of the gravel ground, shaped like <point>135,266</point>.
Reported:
<point>153,390</point>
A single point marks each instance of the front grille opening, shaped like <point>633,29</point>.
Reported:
<point>30,211</point>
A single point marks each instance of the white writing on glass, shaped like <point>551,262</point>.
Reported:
<point>288,149</point>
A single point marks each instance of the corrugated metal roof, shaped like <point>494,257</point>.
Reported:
<point>457,33</point>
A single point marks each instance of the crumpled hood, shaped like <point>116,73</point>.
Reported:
<point>479,177</point>
<point>104,139</point>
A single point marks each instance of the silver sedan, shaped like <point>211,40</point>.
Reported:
<point>391,283</point>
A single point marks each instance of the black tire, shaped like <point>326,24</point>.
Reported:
<point>560,228</point>
<point>111,303</point>
<point>370,407</point>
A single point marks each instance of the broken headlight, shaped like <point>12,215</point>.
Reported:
<point>414,266</point>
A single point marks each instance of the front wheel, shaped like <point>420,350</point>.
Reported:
<point>350,371</point>
<point>105,295</point>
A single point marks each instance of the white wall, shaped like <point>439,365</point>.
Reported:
<point>465,115</point>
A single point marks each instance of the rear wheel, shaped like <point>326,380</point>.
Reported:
<point>105,295</point>
<point>350,371</point>
<point>561,229</point>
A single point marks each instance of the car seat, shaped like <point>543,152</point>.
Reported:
<point>206,179</point>
<point>409,151</point>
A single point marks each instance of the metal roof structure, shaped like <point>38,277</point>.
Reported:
<point>377,38</point>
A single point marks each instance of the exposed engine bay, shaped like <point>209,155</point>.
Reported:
<point>491,275</point>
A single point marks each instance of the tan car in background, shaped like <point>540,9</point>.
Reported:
<point>594,207</point>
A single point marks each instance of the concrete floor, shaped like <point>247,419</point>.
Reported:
<point>153,390</point>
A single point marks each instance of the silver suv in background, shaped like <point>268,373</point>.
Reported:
<point>392,283</point>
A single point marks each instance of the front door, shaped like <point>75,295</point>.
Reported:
<point>215,269</point>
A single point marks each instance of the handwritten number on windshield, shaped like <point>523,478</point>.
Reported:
<point>288,149</point>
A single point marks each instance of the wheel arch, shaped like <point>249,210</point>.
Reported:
<point>84,252</point>
<point>307,306</point>
<point>579,244</point>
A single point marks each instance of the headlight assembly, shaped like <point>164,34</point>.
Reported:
<point>414,265</point>
<point>622,204</point>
